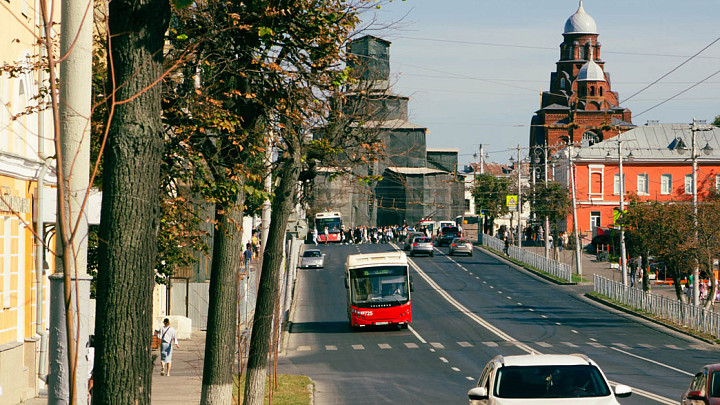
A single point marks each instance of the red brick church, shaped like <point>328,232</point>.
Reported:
<point>580,92</point>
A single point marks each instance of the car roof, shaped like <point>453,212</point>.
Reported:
<point>544,360</point>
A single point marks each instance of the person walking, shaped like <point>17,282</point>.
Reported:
<point>327,234</point>
<point>507,246</point>
<point>248,255</point>
<point>315,235</point>
<point>633,270</point>
<point>167,336</point>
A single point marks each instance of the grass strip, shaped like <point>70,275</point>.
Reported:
<point>291,390</point>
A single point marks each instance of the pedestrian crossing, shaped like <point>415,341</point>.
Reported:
<point>494,344</point>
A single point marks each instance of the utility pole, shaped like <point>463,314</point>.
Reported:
<point>519,200</point>
<point>623,252</point>
<point>482,160</point>
<point>70,285</point>
<point>578,257</point>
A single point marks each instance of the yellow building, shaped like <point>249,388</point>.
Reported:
<point>25,137</point>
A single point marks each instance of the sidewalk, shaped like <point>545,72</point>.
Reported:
<point>183,386</point>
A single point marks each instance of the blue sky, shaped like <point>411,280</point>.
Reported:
<point>474,69</point>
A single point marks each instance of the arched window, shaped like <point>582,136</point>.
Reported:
<point>592,90</point>
<point>600,90</point>
<point>589,138</point>
<point>562,82</point>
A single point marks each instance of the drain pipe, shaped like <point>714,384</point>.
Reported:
<point>39,266</point>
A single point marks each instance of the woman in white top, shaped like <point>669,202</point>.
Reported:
<point>167,336</point>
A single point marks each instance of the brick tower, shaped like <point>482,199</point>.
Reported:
<point>580,93</point>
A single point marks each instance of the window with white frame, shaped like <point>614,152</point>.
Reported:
<point>642,184</point>
<point>717,182</point>
<point>596,182</point>
<point>688,184</point>
<point>616,184</point>
<point>666,184</point>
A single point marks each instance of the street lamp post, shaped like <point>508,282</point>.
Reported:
<point>623,250</point>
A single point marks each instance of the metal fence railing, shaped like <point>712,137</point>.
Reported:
<point>690,316</point>
<point>550,266</point>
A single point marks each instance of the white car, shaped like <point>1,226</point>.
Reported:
<point>312,258</point>
<point>545,379</point>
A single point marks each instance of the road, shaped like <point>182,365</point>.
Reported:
<point>466,310</point>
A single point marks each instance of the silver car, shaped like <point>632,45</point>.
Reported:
<point>422,245</point>
<point>409,239</point>
<point>312,258</point>
<point>461,245</point>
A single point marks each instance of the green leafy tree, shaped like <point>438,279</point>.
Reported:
<point>490,193</point>
<point>551,200</point>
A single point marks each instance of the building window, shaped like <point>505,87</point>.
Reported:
<point>616,184</point>
<point>666,184</point>
<point>596,182</point>
<point>594,219</point>
<point>562,82</point>
<point>467,205</point>
<point>717,182</point>
<point>600,89</point>
<point>589,139</point>
<point>689,184</point>
<point>642,184</point>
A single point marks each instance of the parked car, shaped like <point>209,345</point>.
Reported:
<point>460,245</point>
<point>447,234</point>
<point>704,388</point>
<point>312,258</point>
<point>410,237</point>
<point>422,245</point>
<point>545,379</point>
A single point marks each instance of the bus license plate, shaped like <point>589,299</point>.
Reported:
<point>381,323</point>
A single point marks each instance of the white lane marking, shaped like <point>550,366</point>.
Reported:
<point>646,345</point>
<point>444,360</point>
<point>384,346</point>
<point>304,348</point>
<point>455,369</point>
<point>417,335</point>
<point>358,347</point>
<point>532,310</point>
<point>411,345</point>
<point>330,347</point>
<point>574,331</point>
<point>653,362</point>
<point>505,336</point>
<point>470,378</point>
<point>492,287</point>
<point>699,347</point>
<point>596,344</point>
<point>484,282</point>
<point>490,344</point>
<point>437,345</point>
<point>569,344</point>
<point>558,323</point>
<point>621,345</point>
<point>543,316</point>
<point>673,347</point>
<point>544,344</point>
<point>508,297</point>
<point>432,350</point>
<point>465,344</point>
<point>519,303</point>
<point>593,339</point>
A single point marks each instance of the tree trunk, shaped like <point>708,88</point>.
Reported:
<point>130,212</point>
<point>282,206</point>
<point>222,312</point>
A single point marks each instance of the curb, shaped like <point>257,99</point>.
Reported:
<point>648,318</point>
<point>528,269</point>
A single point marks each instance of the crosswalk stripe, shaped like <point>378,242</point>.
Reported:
<point>444,360</point>
<point>544,344</point>
<point>411,345</point>
<point>621,345</point>
<point>673,347</point>
<point>569,344</point>
<point>596,344</point>
<point>304,348</point>
<point>455,369</point>
<point>358,347</point>
<point>384,346</point>
<point>465,344</point>
<point>330,347</point>
<point>490,344</point>
<point>437,345</point>
<point>470,378</point>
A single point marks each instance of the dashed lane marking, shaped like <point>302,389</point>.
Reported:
<point>673,347</point>
<point>470,378</point>
<point>465,344</point>
<point>384,346</point>
<point>544,344</point>
<point>437,345</point>
<point>304,348</point>
<point>569,344</point>
<point>444,360</point>
<point>621,345</point>
<point>358,347</point>
<point>455,369</point>
<point>411,345</point>
<point>596,344</point>
<point>330,347</point>
<point>490,344</point>
<point>646,345</point>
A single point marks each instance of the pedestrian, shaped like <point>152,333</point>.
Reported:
<point>327,234</point>
<point>315,235</point>
<point>255,242</point>
<point>167,336</point>
<point>247,255</point>
<point>507,246</point>
<point>632,271</point>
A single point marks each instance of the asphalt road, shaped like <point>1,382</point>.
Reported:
<point>466,310</point>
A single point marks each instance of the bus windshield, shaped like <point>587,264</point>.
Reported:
<point>333,224</point>
<point>379,284</point>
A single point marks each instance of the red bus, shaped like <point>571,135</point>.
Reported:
<point>378,289</point>
<point>333,222</point>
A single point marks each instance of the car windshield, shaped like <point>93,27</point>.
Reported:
<point>312,253</point>
<point>450,229</point>
<point>421,240</point>
<point>378,285</point>
<point>550,382</point>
